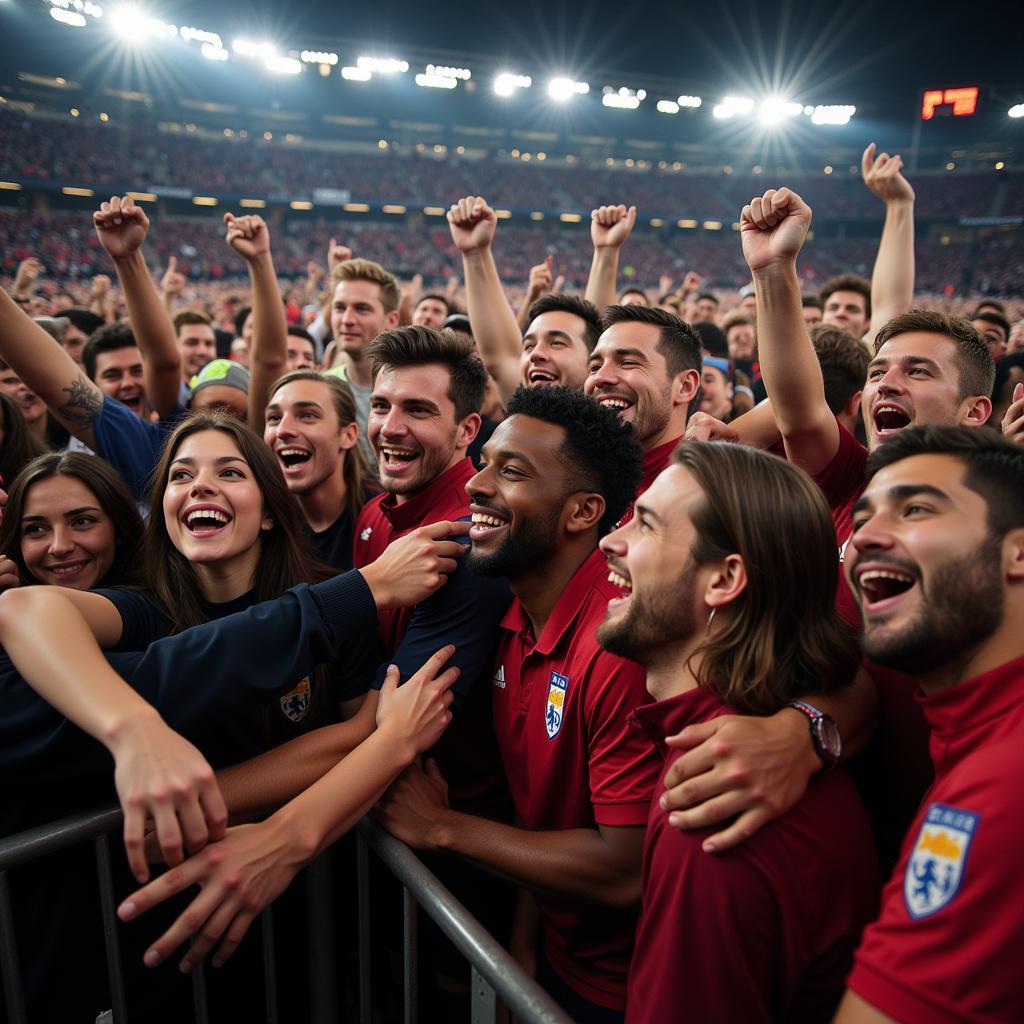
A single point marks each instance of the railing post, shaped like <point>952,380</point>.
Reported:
<point>115,975</point>
<point>269,963</point>
<point>14,994</point>
<point>410,950</point>
<point>483,1002</point>
<point>363,901</point>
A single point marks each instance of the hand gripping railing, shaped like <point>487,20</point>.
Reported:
<point>493,971</point>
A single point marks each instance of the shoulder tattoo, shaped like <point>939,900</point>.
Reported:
<point>83,405</point>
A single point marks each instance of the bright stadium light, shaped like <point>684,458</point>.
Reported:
<point>733,105</point>
<point>622,99</point>
<point>383,65</point>
<point>318,57</point>
<point>199,35</point>
<point>135,26</point>
<point>283,65</point>
<point>506,83</point>
<point>836,114</point>
<point>211,52</point>
<point>774,110</point>
<point>352,74</point>
<point>1017,110</point>
<point>72,18</point>
<point>445,71</point>
<point>668,107</point>
<point>692,102</point>
<point>247,48</point>
<point>562,89</point>
<point>428,81</point>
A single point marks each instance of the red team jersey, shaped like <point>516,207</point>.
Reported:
<point>949,944</point>
<point>655,460</point>
<point>763,932</point>
<point>561,710</point>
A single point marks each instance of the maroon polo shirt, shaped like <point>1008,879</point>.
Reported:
<point>948,944</point>
<point>655,460</point>
<point>561,711</point>
<point>763,932</point>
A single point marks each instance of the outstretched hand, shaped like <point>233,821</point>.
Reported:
<point>248,236</point>
<point>773,228</point>
<point>417,712</point>
<point>610,225</point>
<point>121,226</point>
<point>883,175</point>
<point>472,224</point>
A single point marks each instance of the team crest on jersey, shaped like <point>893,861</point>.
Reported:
<point>558,686</point>
<point>365,534</point>
<point>499,678</point>
<point>295,703</point>
<point>939,859</point>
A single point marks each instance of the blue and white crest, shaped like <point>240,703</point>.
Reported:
<point>558,686</point>
<point>939,859</point>
<point>295,703</point>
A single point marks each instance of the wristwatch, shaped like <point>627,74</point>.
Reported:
<point>828,744</point>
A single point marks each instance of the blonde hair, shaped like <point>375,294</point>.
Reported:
<point>367,270</point>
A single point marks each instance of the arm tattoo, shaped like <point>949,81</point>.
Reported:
<point>83,405</point>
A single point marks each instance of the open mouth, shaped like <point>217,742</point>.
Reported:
<point>67,571</point>
<point>292,457</point>
<point>616,403</point>
<point>625,584</point>
<point>486,523</point>
<point>134,402</point>
<point>203,522</point>
<point>890,418</point>
<point>880,588</point>
<point>396,460</point>
<point>538,376</point>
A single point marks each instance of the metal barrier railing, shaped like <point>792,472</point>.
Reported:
<point>493,972</point>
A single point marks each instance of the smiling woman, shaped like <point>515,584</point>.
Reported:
<point>70,522</point>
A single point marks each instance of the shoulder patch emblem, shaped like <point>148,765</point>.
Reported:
<point>558,687</point>
<point>295,703</point>
<point>499,678</point>
<point>938,859</point>
<point>365,534</point>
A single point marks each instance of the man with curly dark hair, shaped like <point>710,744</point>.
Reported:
<point>558,472</point>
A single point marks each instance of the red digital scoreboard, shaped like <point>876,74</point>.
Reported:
<point>961,102</point>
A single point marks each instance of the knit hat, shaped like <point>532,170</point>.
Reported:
<point>225,372</point>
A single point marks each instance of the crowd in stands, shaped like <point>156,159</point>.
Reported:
<point>678,626</point>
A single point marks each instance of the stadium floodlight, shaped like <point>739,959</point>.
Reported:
<point>428,81</point>
<point>72,18</point>
<point>623,98</point>
<point>283,65</point>
<point>835,114</point>
<point>1017,110</point>
<point>383,65</point>
<point>247,48</point>
<point>733,105</point>
<point>211,52</point>
<point>691,102</point>
<point>135,26</point>
<point>668,107</point>
<point>445,71</point>
<point>506,83</point>
<point>562,89</point>
<point>318,57</point>
<point>352,74</point>
<point>775,109</point>
<point>199,35</point>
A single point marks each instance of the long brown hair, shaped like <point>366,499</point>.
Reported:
<point>111,494</point>
<point>20,446</point>
<point>283,561</point>
<point>782,637</point>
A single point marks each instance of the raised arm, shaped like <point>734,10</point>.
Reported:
<point>45,368</point>
<point>541,280</point>
<point>121,227</point>
<point>497,334</point>
<point>609,228</point>
<point>268,359</point>
<point>172,284</point>
<point>772,229</point>
<point>892,280</point>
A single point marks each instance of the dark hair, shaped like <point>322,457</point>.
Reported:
<point>241,315</point>
<point>782,637</point>
<point>84,319</point>
<point>357,471</point>
<point>973,360</point>
<point>844,363</point>
<point>999,307</point>
<point>109,338</point>
<point>420,346</point>
<point>810,302</point>
<point>20,444</point>
<point>994,466</point>
<point>708,297</point>
<point>679,343</point>
<point>106,484</point>
<point>634,290</point>
<point>295,331</point>
<point>585,310</point>
<point>190,316</point>
<point>847,283</point>
<point>437,297</point>
<point>600,452</point>
<point>283,561</point>
<point>712,338</point>
<point>994,318</point>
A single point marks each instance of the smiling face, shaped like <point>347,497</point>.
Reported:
<point>300,353</point>
<point>119,374</point>
<point>555,351</point>
<point>358,316</point>
<point>31,406</point>
<point>303,431</point>
<point>66,537</point>
<point>517,499</point>
<point>629,374</point>
<point>412,427</point>
<point>213,507</point>
<point>914,381</point>
<point>848,310</point>
<point>716,393</point>
<point>651,559</point>
<point>922,565</point>
<point>197,344</point>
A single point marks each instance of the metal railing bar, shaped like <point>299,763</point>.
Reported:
<point>269,963</point>
<point>483,1004</point>
<point>363,901</point>
<point>202,1010</point>
<point>322,953</point>
<point>14,993</point>
<point>115,975</point>
<point>410,956</point>
<point>55,836</point>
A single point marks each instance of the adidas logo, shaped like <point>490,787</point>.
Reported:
<point>365,535</point>
<point>499,678</point>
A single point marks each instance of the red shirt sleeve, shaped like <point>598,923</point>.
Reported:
<point>842,480</point>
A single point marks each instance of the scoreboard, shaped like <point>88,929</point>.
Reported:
<point>960,102</point>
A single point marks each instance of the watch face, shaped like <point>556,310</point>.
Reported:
<point>828,734</point>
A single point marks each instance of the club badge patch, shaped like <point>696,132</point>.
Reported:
<point>557,688</point>
<point>938,860</point>
<point>295,703</point>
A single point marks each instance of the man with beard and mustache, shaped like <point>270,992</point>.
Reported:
<point>937,566</point>
<point>730,569</point>
<point>558,473</point>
